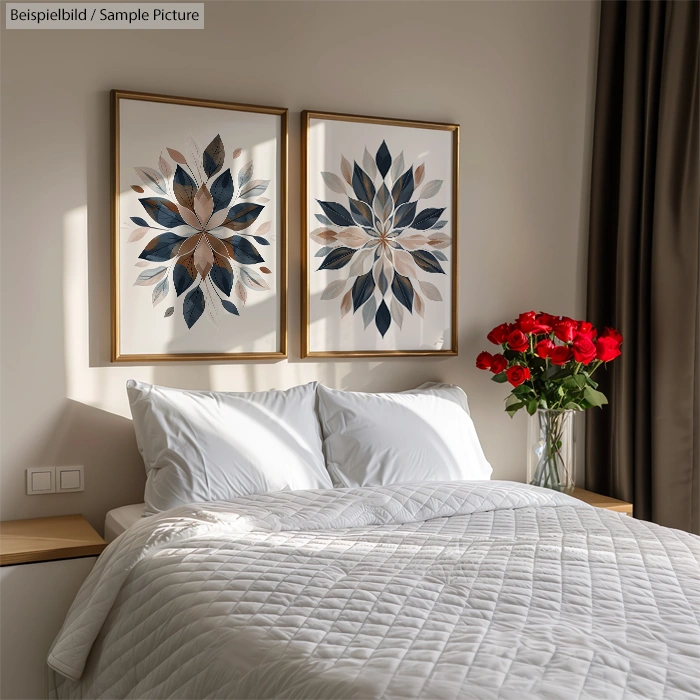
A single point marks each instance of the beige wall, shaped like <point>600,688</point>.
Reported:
<point>519,79</point>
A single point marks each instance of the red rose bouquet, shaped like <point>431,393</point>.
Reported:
<point>549,361</point>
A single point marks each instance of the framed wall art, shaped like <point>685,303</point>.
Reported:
<point>379,231</point>
<point>199,217</point>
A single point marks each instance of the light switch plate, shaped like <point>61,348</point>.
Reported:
<point>70,479</point>
<point>41,480</point>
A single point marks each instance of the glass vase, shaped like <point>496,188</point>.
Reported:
<point>551,456</point>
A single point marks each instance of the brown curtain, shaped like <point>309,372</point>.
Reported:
<point>644,259</point>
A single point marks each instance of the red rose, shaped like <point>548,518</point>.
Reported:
<point>525,320</point>
<point>498,363</point>
<point>612,333</point>
<point>560,355</point>
<point>517,340</point>
<point>499,334</point>
<point>607,348</point>
<point>547,320</point>
<point>484,360</point>
<point>565,329</point>
<point>587,330</point>
<point>528,323</point>
<point>517,374</point>
<point>544,348</point>
<point>584,349</point>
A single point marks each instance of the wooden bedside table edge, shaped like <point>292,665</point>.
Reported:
<point>47,556</point>
<point>626,508</point>
<point>48,539</point>
<point>605,502</point>
<point>44,555</point>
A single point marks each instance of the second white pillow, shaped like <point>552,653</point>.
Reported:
<point>421,435</point>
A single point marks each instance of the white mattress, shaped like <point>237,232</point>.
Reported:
<point>120,519</point>
<point>470,590</point>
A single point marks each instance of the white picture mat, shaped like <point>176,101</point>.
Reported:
<point>146,130</point>
<point>328,141</point>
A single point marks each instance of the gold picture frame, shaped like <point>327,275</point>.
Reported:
<point>280,234</point>
<point>306,345</point>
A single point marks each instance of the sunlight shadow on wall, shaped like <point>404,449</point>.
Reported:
<point>85,384</point>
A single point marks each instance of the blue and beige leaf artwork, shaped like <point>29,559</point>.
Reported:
<point>381,238</point>
<point>203,219</point>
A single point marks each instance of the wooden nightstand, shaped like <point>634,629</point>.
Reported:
<point>43,561</point>
<point>606,502</point>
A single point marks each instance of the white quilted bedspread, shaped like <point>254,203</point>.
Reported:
<point>430,590</point>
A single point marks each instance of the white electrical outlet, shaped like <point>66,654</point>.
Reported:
<point>69,479</point>
<point>41,480</point>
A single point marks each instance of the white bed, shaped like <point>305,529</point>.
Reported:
<point>121,519</point>
<point>426,590</point>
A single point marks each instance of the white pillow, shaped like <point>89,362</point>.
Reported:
<point>214,446</point>
<point>378,439</point>
<point>451,392</point>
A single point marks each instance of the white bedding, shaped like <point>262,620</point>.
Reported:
<point>119,520</point>
<point>432,590</point>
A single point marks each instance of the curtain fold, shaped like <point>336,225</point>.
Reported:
<point>644,259</point>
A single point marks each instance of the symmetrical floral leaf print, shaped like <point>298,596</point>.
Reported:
<point>204,230</point>
<point>383,236</point>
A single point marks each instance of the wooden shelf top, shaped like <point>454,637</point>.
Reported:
<point>599,501</point>
<point>48,539</point>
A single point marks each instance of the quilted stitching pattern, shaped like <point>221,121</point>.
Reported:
<point>470,590</point>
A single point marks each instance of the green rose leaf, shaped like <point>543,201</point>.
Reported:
<point>512,400</point>
<point>593,397</point>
